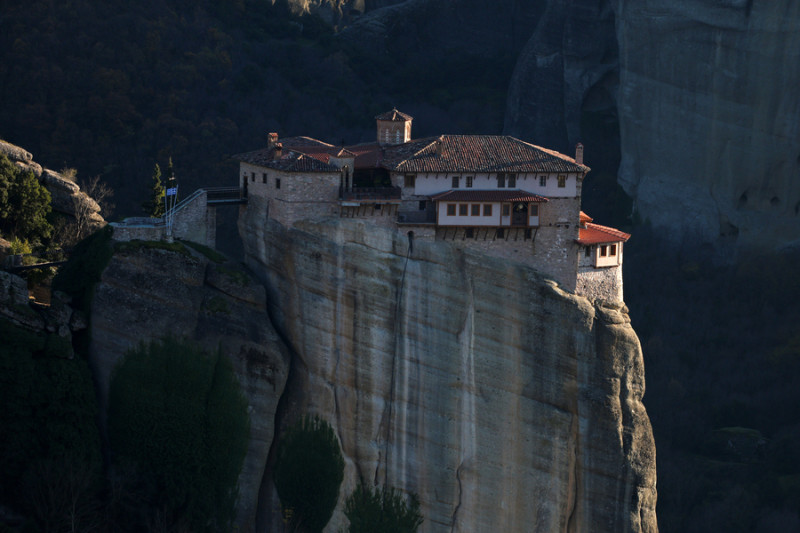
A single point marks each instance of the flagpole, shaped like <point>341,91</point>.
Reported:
<point>171,199</point>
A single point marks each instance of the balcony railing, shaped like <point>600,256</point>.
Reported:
<point>371,194</point>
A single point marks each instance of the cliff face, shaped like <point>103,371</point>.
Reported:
<point>503,402</point>
<point>704,95</point>
<point>709,116</point>
<point>147,294</point>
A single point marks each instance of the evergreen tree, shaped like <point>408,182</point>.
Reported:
<point>155,206</point>
<point>24,203</point>
<point>382,511</point>
<point>177,414</point>
<point>308,472</point>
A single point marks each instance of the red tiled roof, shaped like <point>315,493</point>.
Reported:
<point>394,115</point>
<point>597,234</point>
<point>477,195</point>
<point>585,218</point>
<point>476,153</point>
<point>368,155</point>
<point>303,141</point>
<point>290,161</point>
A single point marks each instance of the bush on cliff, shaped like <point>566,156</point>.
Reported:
<point>373,510</point>
<point>49,442</point>
<point>178,419</point>
<point>24,204</point>
<point>308,473</point>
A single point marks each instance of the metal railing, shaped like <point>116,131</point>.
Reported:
<point>225,195</point>
<point>372,193</point>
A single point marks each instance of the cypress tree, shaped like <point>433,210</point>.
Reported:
<point>154,207</point>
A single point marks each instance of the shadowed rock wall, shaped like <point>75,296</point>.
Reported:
<point>150,293</point>
<point>710,117</point>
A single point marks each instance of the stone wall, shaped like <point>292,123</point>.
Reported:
<point>600,283</point>
<point>195,221</point>
<point>300,196</point>
<point>129,230</point>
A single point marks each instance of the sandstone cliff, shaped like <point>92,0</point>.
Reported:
<point>503,402</point>
<point>149,293</point>
<point>67,197</point>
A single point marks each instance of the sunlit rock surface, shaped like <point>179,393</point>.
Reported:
<point>150,293</point>
<point>503,402</point>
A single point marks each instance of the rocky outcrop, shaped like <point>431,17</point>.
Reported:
<point>57,318</point>
<point>67,197</point>
<point>148,293</point>
<point>709,117</point>
<point>568,67</point>
<point>502,401</point>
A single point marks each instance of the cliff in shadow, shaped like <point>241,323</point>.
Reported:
<point>148,292</point>
<point>502,401</point>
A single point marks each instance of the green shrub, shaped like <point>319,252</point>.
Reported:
<point>308,472</point>
<point>382,511</point>
<point>49,441</point>
<point>179,417</point>
<point>210,253</point>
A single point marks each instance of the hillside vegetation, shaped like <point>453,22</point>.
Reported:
<point>200,81</point>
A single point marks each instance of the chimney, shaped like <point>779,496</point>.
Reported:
<point>278,151</point>
<point>439,146</point>
<point>272,139</point>
<point>579,153</point>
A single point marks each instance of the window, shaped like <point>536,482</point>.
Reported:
<point>410,180</point>
<point>451,210</point>
<point>455,182</point>
<point>277,183</point>
<point>528,234</point>
<point>422,205</point>
<point>469,233</point>
<point>253,177</point>
<point>487,210</point>
<point>506,210</point>
<point>603,250</point>
<point>462,209</point>
<point>542,181</point>
<point>512,181</point>
<point>501,180</point>
<point>500,233</point>
<point>587,251</point>
<point>562,181</point>
<point>476,210</point>
<point>534,210</point>
<point>469,182</point>
<point>264,177</point>
<point>397,136</point>
<point>612,250</point>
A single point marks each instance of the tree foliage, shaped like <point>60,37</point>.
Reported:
<point>384,510</point>
<point>49,441</point>
<point>308,472</point>
<point>24,203</point>
<point>154,207</point>
<point>178,415</point>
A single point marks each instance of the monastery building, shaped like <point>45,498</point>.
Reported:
<point>495,193</point>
